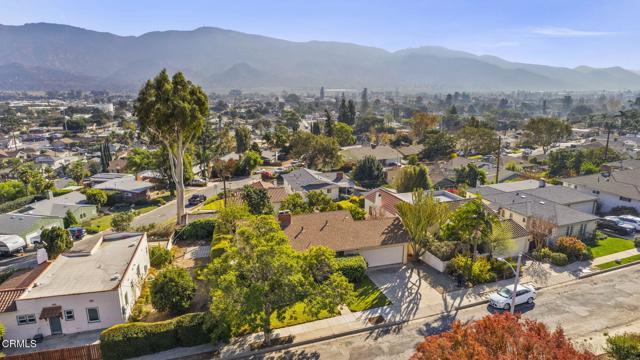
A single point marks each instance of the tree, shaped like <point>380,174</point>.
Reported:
<point>56,241</point>
<point>351,113</point>
<point>413,177</point>
<point>281,136</point>
<point>499,336</point>
<point>343,112</point>
<point>329,126</point>
<point>319,201</point>
<point>438,145</point>
<point>172,111</point>
<point>261,276</point>
<point>122,221</point>
<point>243,139</point>
<point>96,197</point>
<point>296,204</point>
<point>257,200</point>
<point>422,218</point>
<point>422,123</point>
<point>291,120</point>
<point>364,104</point>
<point>544,131</point>
<point>369,172</point>
<point>69,219</point>
<point>540,230</point>
<point>172,290</point>
<point>77,171</point>
<point>343,134</point>
<point>470,175</point>
<point>11,190</point>
<point>250,161</point>
<point>105,154</point>
<point>587,168</point>
<point>140,159</point>
<point>206,148</point>
<point>481,141</point>
<point>625,346</point>
<point>32,179</point>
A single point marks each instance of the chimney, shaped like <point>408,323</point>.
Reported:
<point>284,218</point>
<point>542,183</point>
<point>339,176</point>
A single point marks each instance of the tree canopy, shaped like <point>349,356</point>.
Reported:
<point>413,177</point>
<point>369,172</point>
<point>422,218</point>
<point>544,131</point>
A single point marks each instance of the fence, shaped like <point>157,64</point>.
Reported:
<point>86,352</point>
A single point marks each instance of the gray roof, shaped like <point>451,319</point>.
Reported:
<point>380,152</point>
<point>533,206</point>
<point>23,224</point>
<point>127,184</point>
<point>59,205</point>
<point>308,180</point>
<point>516,185</point>
<point>102,177</point>
<point>624,183</point>
<point>560,194</point>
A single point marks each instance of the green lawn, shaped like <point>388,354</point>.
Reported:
<point>104,222</point>
<point>367,296</point>
<point>214,205</point>
<point>295,315</point>
<point>613,263</point>
<point>611,245</point>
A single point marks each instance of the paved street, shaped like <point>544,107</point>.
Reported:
<point>20,261</point>
<point>585,309</point>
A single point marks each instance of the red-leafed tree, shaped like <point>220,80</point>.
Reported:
<point>499,337</point>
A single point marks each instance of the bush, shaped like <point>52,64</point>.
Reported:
<point>160,256</point>
<point>172,290</point>
<point>357,213</point>
<point>352,267</point>
<point>559,259</point>
<point>570,246</point>
<point>542,254</point>
<point>220,247</point>
<point>636,241</point>
<point>201,229</point>
<point>163,232</point>
<point>16,204</point>
<point>481,272</point>
<point>59,192</point>
<point>599,235</point>
<point>623,347</point>
<point>443,250</point>
<point>136,339</point>
<point>56,241</point>
<point>459,265</point>
<point>502,269</point>
<point>92,229</point>
<point>122,221</point>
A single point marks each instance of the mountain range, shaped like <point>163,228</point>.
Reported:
<point>46,56</point>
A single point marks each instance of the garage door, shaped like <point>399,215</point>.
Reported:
<point>383,256</point>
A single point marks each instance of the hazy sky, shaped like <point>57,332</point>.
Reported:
<point>555,32</point>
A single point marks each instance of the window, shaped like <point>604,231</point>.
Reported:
<point>93,315</point>
<point>569,230</point>
<point>583,228</point>
<point>622,198</point>
<point>138,269</point>
<point>26,319</point>
<point>595,191</point>
<point>69,315</point>
<point>328,191</point>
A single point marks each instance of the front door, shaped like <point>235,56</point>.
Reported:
<point>54,324</point>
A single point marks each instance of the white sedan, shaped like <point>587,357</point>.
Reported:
<point>502,298</point>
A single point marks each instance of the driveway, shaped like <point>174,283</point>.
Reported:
<point>60,341</point>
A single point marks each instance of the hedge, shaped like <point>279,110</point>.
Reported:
<point>201,229</point>
<point>352,267</point>
<point>17,203</point>
<point>137,338</point>
<point>559,259</point>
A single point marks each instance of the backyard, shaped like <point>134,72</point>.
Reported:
<point>103,222</point>
<point>611,245</point>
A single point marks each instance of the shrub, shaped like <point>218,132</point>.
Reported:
<point>201,229</point>
<point>352,267</point>
<point>172,290</point>
<point>542,254</point>
<point>220,247</point>
<point>459,265</point>
<point>59,192</point>
<point>16,204</point>
<point>160,256</point>
<point>92,229</point>
<point>599,235</point>
<point>136,339</point>
<point>96,197</point>
<point>623,347</point>
<point>481,272</point>
<point>163,231</point>
<point>122,221</point>
<point>357,213</point>
<point>443,250</point>
<point>57,240</point>
<point>570,246</point>
<point>559,259</point>
<point>502,269</point>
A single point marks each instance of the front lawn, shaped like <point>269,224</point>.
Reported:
<point>295,315</point>
<point>611,245</point>
<point>216,205</point>
<point>103,222</point>
<point>367,296</point>
<point>613,263</point>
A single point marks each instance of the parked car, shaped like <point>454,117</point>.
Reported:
<point>196,199</point>
<point>198,182</point>
<point>501,299</point>
<point>615,225</point>
<point>77,232</point>
<point>631,220</point>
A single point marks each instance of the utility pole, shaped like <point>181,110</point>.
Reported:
<point>606,147</point>
<point>498,158</point>
<point>515,284</point>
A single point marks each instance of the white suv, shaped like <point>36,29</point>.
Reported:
<point>631,220</point>
<point>502,298</point>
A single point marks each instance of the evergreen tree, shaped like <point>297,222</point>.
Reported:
<point>343,114</point>
<point>105,155</point>
<point>364,106</point>
<point>321,92</point>
<point>328,124</point>
<point>351,113</point>
<point>315,128</point>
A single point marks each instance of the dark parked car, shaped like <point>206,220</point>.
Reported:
<point>616,226</point>
<point>77,232</point>
<point>196,199</point>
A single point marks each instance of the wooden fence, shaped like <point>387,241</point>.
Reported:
<point>86,352</point>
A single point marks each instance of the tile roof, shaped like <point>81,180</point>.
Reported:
<point>277,194</point>
<point>16,284</point>
<point>338,231</point>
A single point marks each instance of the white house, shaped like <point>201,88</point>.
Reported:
<point>618,188</point>
<point>332,184</point>
<point>78,291</point>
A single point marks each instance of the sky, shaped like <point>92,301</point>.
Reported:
<point>551,32</point>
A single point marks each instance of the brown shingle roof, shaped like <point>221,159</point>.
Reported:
<point>8,299</point>
<point>277,194</point>
<point>338,231</point>
<point>51,311</point>
<point>517,231</point>
<point>16,284</point>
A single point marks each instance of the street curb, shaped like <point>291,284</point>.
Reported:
<point>609,269</point>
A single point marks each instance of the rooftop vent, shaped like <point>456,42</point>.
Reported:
<point>115,277</point>
<point>542,202</point>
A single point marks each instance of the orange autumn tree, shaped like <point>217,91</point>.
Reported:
<point>499,337</point>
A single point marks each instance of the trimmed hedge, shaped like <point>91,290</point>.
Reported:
<point>352,267</point>
<point>17,203</point>
<point>559,259</point>
<point>136,339</point>
<point>201,229</point>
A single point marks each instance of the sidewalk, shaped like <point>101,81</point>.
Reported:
<point>616,256</point>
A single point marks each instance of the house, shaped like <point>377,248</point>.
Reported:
<point>53,162</point>
<point>408,150</point>
<point>75,201</point>
<point>277,194</point>
<point>381,241</point>
<point>381,202</point>
<point>27,226</point>
<point>129,189</point>
<point>117,166</point>
<point>385,154</point>
<point>100,178</point>
<point>304,180</point>
<point>618,188</point>
<point>76,292</point>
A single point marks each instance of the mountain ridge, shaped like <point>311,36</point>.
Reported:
<point>54,56</point>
